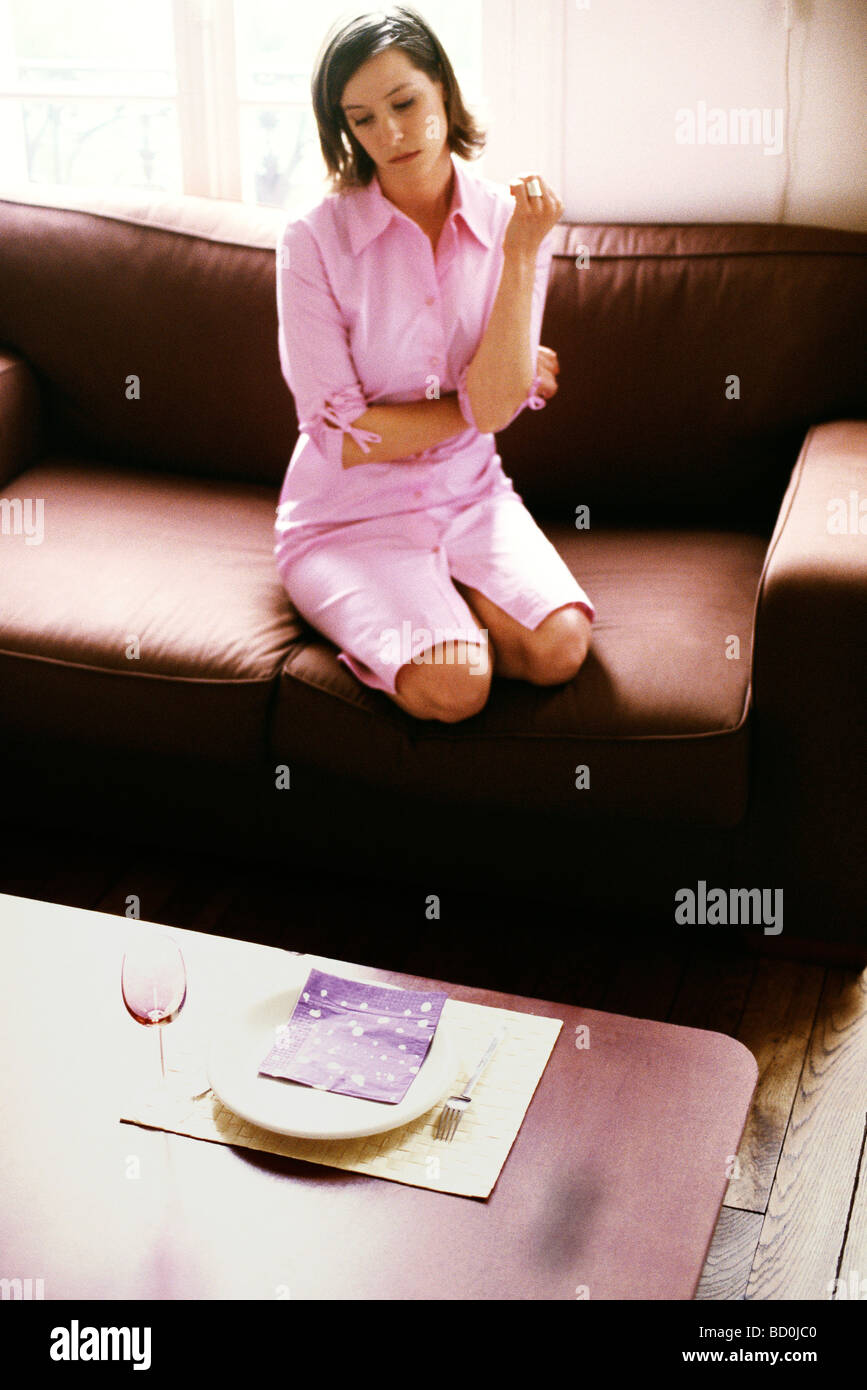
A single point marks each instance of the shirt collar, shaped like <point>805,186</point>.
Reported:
<point>370,212</point>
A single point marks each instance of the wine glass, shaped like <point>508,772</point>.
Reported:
<point>153,982</point>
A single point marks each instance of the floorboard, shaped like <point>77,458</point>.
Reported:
<point>776,1027</point>
<point>805,1227</point>
<point>851,1279</point>
<point>729,1260</point>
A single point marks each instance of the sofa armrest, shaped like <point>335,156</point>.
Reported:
<point>19,416</point>
<point>810,683</point>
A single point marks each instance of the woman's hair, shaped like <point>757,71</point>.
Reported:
<point>349,44</point>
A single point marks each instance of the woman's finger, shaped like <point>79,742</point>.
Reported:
<point>532,216</point>
<point>547,383</point>
<point>519,187</point>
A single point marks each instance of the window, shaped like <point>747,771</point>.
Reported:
<point>209,97</point>
<point>88,93</point>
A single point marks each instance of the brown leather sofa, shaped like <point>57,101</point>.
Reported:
<point>712,415</point>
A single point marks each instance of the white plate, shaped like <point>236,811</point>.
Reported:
<point>286,1107</point>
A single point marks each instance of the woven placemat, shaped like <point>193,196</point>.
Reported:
<point>468,1166</point>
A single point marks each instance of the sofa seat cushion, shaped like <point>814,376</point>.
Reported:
<point>658,714</point>
<point>148,615</point>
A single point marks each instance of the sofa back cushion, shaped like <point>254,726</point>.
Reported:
<point>693,359</point>
<point>179,294</point>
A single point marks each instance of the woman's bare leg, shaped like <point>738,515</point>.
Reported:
<point>451,685</point>
<point>550,654</point>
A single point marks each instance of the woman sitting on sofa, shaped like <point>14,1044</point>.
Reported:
<point>410,307</point>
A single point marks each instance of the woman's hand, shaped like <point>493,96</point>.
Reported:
<point>547,369</point>
<point>532,218</point>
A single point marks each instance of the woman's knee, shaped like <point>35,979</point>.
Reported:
<point>558,648</point>
<point>444,684</point>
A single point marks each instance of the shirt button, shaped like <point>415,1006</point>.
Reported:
<point>430,299</point>
<point>418,493</point>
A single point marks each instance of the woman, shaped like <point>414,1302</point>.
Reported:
<point>410,305</point>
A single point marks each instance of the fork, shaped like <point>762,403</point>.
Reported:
<point>455,1106</point>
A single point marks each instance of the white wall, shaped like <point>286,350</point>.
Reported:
<point>590,90</point>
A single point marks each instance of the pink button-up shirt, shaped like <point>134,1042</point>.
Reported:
<point>368,315</point>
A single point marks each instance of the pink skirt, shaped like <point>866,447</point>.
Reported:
<point>381,589</point>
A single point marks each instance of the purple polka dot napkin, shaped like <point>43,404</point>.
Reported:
<point>354,1038</point>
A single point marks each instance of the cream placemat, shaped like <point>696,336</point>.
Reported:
<point>468,1166</point>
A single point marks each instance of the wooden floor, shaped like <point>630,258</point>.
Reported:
<point>795,1215</point>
